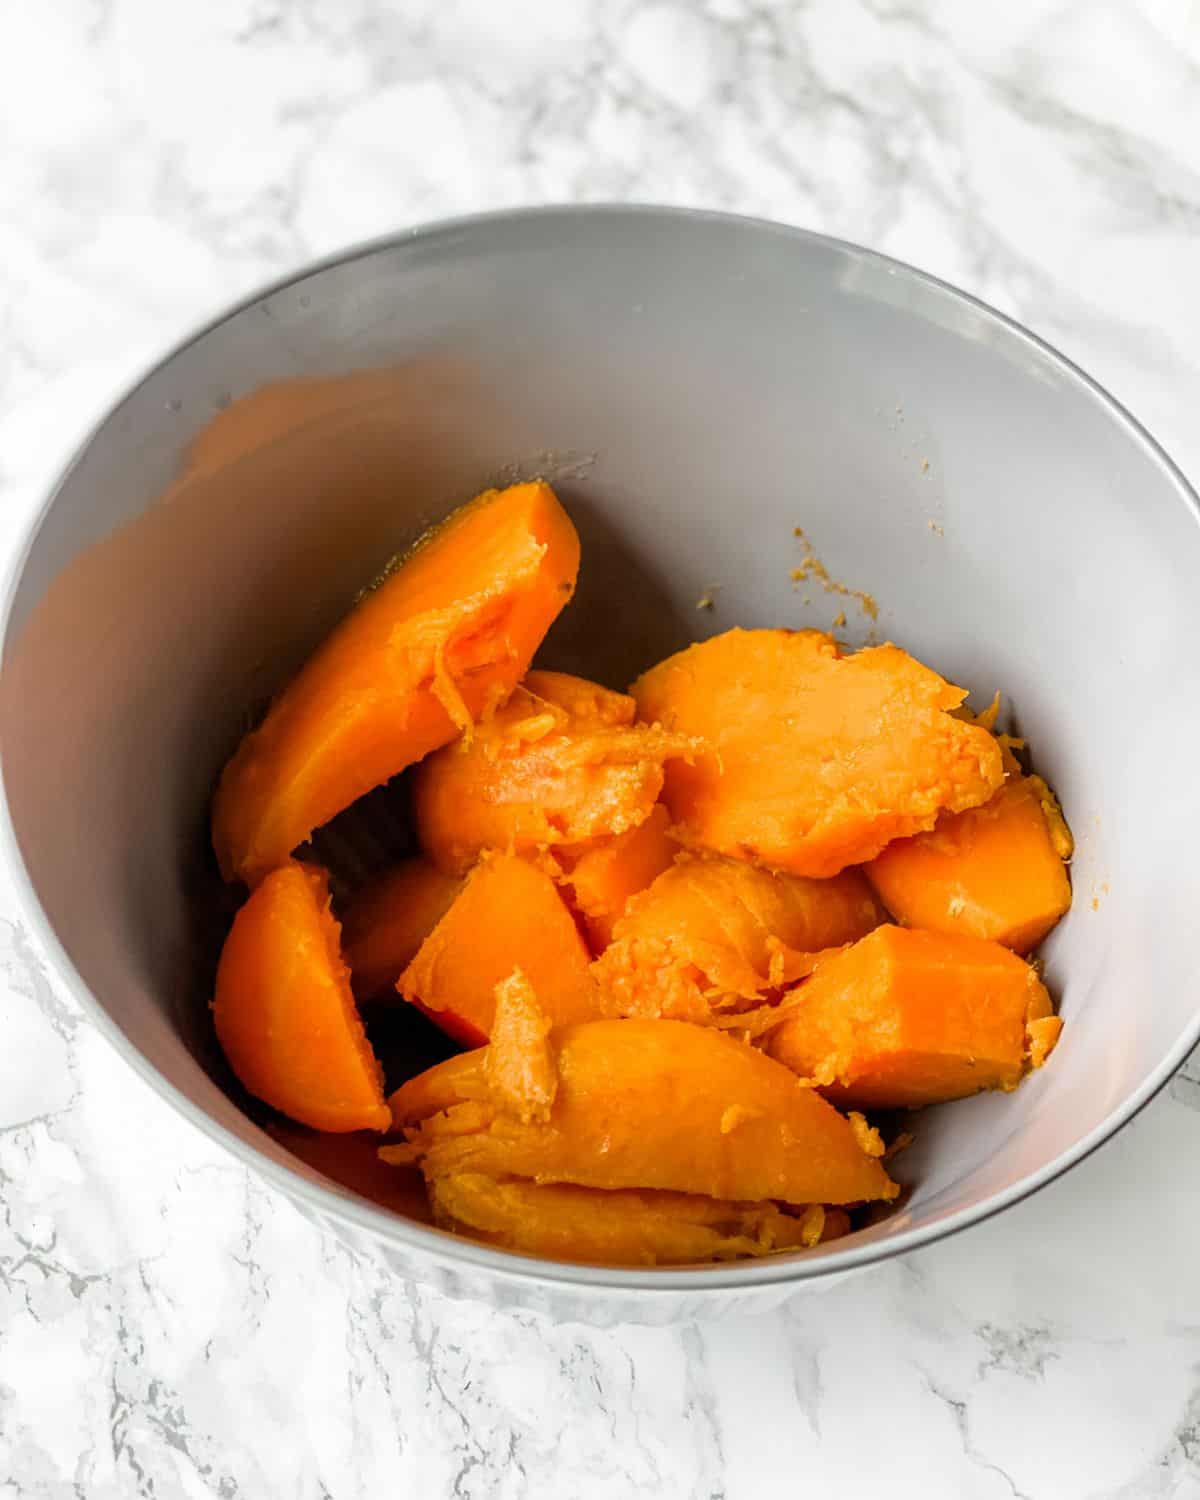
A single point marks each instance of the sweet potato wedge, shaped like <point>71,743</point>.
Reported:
<point>714,934</point>
<point>389,919</point>
<point>601,881</point>
<point>509,915</point>
<point>815,759</point>
<point>996,871</point>
<point>559,766</point>
<point>622,1227</point>
<point>646,1104</point>
<point>284,1013</point>
<point>445,636</point>
<point>521,1066</point>
<point>908,1018</point>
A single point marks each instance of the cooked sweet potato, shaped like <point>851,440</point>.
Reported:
<point>646,1104</point>
<point>601,881</point>
<point>388,921</point>
<point>559,766</point>
<point>910,1018</point>
<point>521,1067</point>
<point>583,701</point>
<point>714,934</point>
<point>995,871</point>
<point>815,759</point>
<point>509,915</point>
<point>440,641</point>
<point>622,1227</point>
<point>284,1012</point>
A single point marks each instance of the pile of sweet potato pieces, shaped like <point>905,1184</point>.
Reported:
<point>683,934</point>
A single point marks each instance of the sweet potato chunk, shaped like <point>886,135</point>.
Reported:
<point>284,1012</point>
<point>646,1104</point>
<point>521,1068</point>
<point>508,916</point>
<point>621,1227</point>
<point>995,871</point>
<point>714,934</point>
<point>560,765</point>
<point>442,639</point>
<point>583,701</point>
<point>390,919</point>
<point>910,1018</point>
<point>602,880</point>
<point>815,759</point>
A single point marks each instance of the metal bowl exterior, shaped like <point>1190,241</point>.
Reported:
<point>697,386</point>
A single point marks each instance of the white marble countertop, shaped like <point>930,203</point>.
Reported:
<point>171,1327</point>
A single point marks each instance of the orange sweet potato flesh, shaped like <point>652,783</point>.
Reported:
<point>995,871</point>
<point>621,1227</point>
<point>558,766</point>
<point>441,640</point>
<point>907,1018</point>
<point>388,921</point>
<point>583,701</point>
<point>646,1104</point>
<point>816,759</point>
<point>603,879</point>
<point>521,1067</point>
<point>714,934</point>
<point>284,1013</point>
<point>509,915</point>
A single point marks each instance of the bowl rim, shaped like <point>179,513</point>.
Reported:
<point>453,1252</point>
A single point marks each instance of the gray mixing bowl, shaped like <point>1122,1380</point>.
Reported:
<point>696,387</point>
